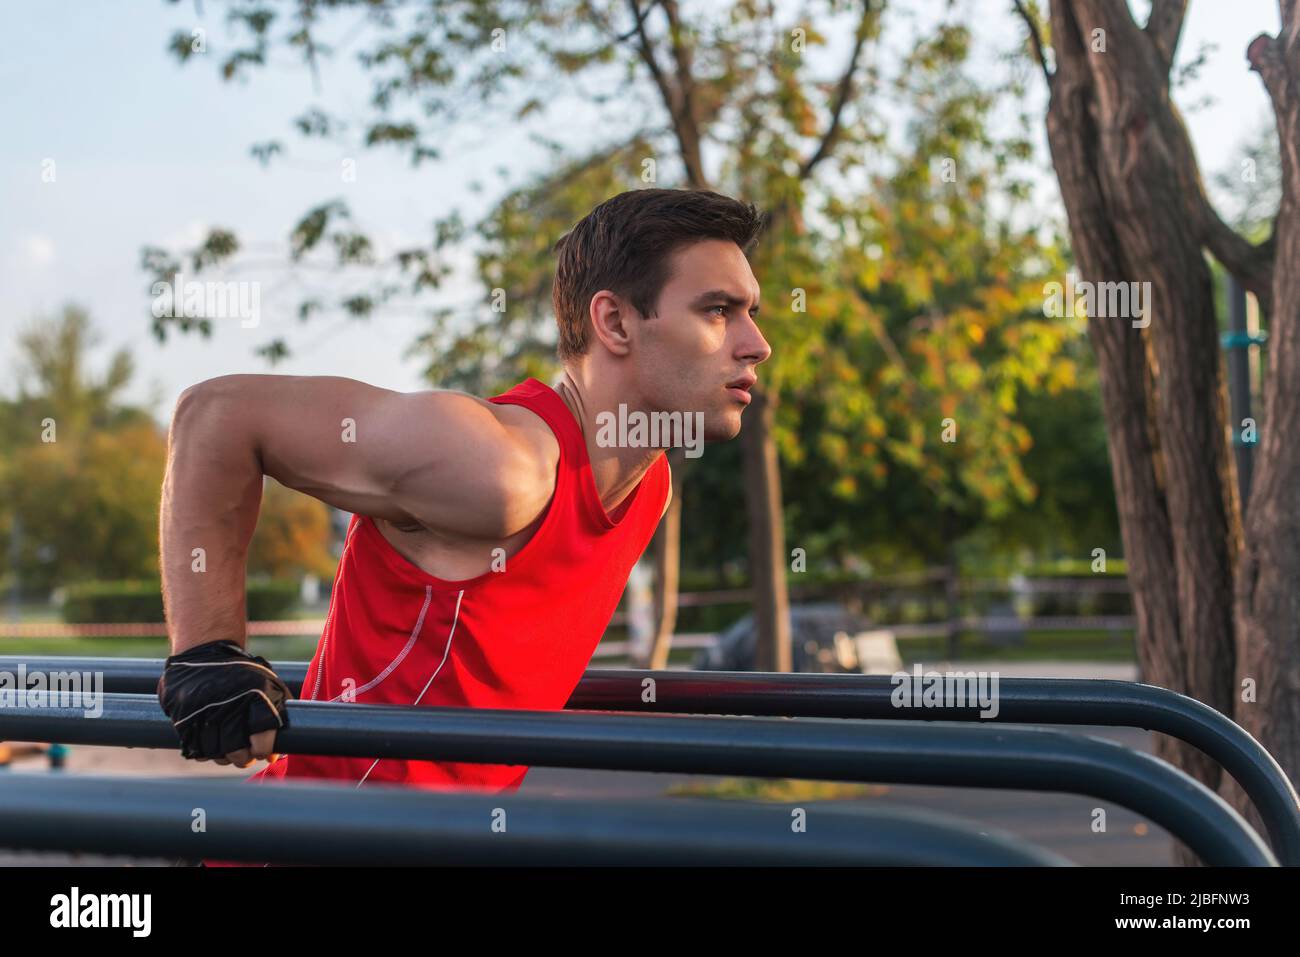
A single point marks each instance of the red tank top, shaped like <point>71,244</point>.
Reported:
<point>518,638</point>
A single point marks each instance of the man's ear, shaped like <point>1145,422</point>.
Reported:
<point>610,320</point>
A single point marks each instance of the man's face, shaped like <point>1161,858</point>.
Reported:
<point>699,352</point>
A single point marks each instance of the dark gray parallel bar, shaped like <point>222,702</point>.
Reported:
<point>1034,759</point>
<point>1021,700</point>
<point>128,675</point>
<point>1071,701</point>
<point>316,824</point>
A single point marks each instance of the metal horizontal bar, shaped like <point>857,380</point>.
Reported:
<point>324,824</point>
<point>125,675</point>
<point>1035,759</point>
<point>1070,701</point>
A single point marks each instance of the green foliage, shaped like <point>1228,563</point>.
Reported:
<point>113,601</point>
<point>271,599</point>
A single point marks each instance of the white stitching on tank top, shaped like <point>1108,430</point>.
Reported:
<point>410,643</point>
<point>445,652</point>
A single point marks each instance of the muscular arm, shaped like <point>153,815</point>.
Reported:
<point>443,460</point>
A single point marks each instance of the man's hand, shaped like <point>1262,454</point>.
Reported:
<point>224,703</point>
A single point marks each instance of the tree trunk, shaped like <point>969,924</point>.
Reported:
<point>1268,575</point>
<point>1138,213</point>
<point>1110,122</point>
<point>1114,136</point>
<point>766,536</point>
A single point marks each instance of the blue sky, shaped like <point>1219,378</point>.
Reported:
<point>148,152</point>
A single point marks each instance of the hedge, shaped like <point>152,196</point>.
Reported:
<point>141,601</point>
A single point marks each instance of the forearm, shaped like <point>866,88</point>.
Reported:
<point>211,494</point>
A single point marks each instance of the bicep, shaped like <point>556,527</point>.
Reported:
<point>436,458</point>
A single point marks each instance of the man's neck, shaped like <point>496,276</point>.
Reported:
<point>616,470</point>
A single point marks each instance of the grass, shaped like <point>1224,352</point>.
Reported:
<point>779,790</point>
<point>1037,646</point>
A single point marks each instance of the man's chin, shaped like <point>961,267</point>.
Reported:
<point>724,428</point>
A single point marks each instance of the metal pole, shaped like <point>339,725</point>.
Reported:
<point>1035,759</point>
<point>1237,344</point>
<point>1069,701</point>
<point>323,824</point>
<point>1021,700</point>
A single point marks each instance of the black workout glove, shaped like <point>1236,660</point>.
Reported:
<point>218,696</point>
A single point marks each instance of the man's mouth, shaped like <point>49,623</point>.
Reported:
<point>738,389</point>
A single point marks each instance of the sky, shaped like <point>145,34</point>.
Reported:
<point>147,152</point>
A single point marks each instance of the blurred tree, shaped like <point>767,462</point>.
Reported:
<point>81,474</point>
<point>89,505</point>
<point>292,537</point>
<point>51,374</point>
<point>79,468</point>
<point>1074,511</point>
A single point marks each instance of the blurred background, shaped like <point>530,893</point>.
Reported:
<point>384,181</point>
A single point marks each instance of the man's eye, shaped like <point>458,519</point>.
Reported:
<point>720,307</point>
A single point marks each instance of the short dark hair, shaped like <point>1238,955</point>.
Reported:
<point>625,243</point>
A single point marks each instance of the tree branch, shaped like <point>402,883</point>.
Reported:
<point>843,92</point>
<point>648,54</point>
<point>1036,39</point>
<point>640,19</point>
<point>1164,27</point>
<point>682,125</point>
<point>688,117</point>
<point>1251,264</point>
<point>1267,58</point>
<point>1290,32</point>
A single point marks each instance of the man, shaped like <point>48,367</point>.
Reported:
<point>491,539</point>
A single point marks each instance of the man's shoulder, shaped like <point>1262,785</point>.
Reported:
<point>496,466</point>
<point>509,427</point>
<point>526,450</point>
